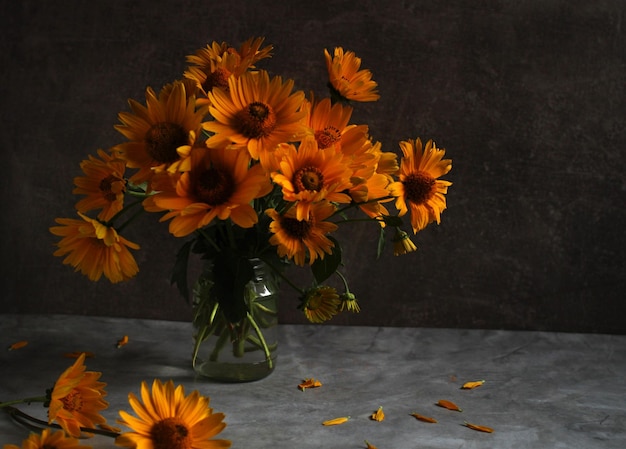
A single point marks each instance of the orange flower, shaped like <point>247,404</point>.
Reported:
<point>155,131</point>
<point>308,175</point>
<point>167,418</point>
<point>77,399</point>
<point>256,113</point>
<point>321,304</point>
<point>347,80</point>
<point>95,249</point>
<point>302,239</point>
<point>220,184</point>
<point>48,440</point>
<point>103,183</point>
<point>418,189</point>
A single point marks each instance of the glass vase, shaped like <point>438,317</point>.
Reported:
<point>239,351</point>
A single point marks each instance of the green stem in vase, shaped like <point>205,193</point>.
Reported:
<point>264,345</point>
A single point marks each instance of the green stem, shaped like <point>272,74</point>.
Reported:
<point>24,401</point>
<point>345,281</point>
<point>266,349</point>
<point>282,276</point>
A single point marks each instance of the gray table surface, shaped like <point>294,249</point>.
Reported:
<point>542,390</point>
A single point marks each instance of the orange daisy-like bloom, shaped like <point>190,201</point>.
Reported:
<point>418,188</point>
<point>220,184</point>
<point>321,304</point>
<point>308,175</point>
<point>155,131</point>
<point>95,249</point>
<point>103,183</point>
<point>347,80</point>
<point>298,239</point>
<point>256,113</point>
<point>77,399</point>
<point>212,66</point>
<point>48,440</point>
<point>168,419</point>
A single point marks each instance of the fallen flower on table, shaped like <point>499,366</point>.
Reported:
<point>479,428</point>
<point>48,439</point>
<point>449,405</point>
<point>472,385</point>
<point>370,445</point>
<point>423,418</point>
<point>18,345</point>
<point>336,421</point>
<point>309,383</point>
<point>122,342</point>
<point>378,415</point>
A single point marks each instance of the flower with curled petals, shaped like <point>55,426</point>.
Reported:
<point>347,79</point>
<point>169,419</point>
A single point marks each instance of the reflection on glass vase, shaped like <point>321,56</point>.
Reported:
<point>239,351</point>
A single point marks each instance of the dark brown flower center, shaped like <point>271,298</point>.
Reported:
<point>106,187</point>
<point>296,229</point>
<point>218,78</point>
<point>214,186</point>
<point>309,178</point>
<point>419,187</point>
<point>73,401</point>
<point>170,433</point>
<point>327,137</point>
<point>162,139</point>
<point>256,120</point>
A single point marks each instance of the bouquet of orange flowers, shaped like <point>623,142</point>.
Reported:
<point>245,167</point>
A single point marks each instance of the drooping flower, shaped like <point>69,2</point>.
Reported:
<point>169,419</point>
<point>94,249</point>
<point>346,78</point>
<point>321,304</point>
<point>402,243</point>
<point>308,175</point>
<point>210,67</point>
<point>49,440</point>
<point>220,184</point>
<point>256,113</point>
<point>418,189</point>
<point>155,131</point>
<point>302,240</point>
<point>77,399</point>
<point>103,184</point>
<point>349,302</point>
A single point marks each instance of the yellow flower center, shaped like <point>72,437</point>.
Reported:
<point>256,120</point>
<point>296,229</point>
<point>73,401</point>
<point>162,139</point>
<point>327,137</point>
<point>170,433</point>
<point>214,187</point>
<point>218,78</point>
<point>309,178</point>
<point>418,187</point>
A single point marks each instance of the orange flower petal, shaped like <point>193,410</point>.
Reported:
<point>336,421</point>
<point>479,428</point>
<point>122,342</point>
<point>370,445</point>
<point>309,383</point>
<point>423,418</point>
<point>18,345</point>
<point>449,405</point>
<point>471,385</point>
<point>378,415</point>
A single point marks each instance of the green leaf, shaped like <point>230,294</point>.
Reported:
<point>231,273</point>
<point>323,268</point>
<point>179,273</point>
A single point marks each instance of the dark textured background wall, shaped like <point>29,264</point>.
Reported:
<point>528,98</point>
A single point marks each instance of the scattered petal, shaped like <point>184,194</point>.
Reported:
<point>479,428</point>
<point>449,405</point>
<point>378,415</point>
<point>423,418</point>
<point>122,342</point>
<point>473,384</point>
<point>18,345</point>
<point>370,445</point>
<point>77,354</point>
<point>309,383</point>
<point>336,421</point>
